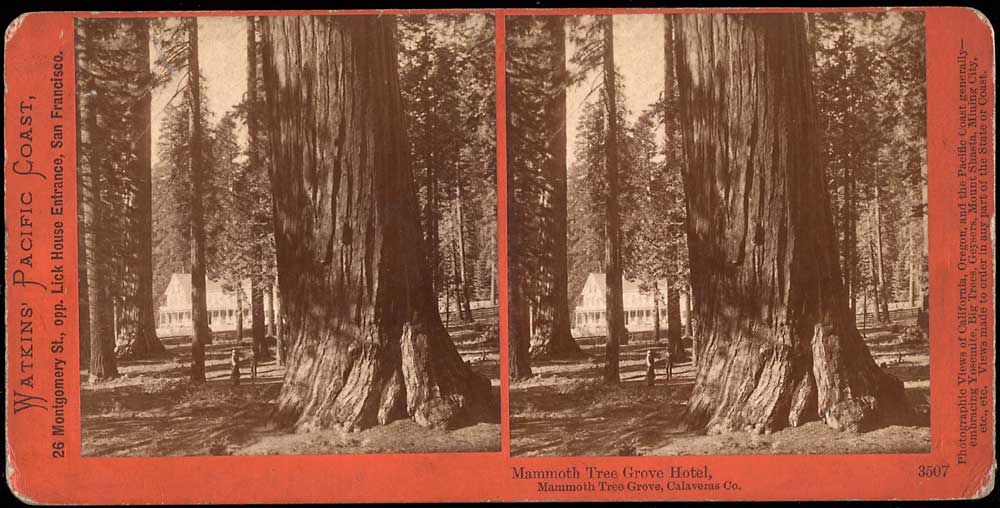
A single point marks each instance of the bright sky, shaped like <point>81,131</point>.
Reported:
<point>222,47</point>
<point>639,57</point>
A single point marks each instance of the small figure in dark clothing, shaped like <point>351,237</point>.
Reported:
<point>234,362</point>
<point>253,363</point>
<point>650,368</point>
<point>669,361</point>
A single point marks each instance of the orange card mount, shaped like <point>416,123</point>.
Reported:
<point>500,255</point>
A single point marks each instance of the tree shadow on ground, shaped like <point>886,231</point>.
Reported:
<point>152,409</point>
<point>565,409</point>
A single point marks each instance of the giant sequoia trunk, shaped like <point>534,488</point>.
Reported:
<point>136,324</point>
<point>617,333</point>
<point>551,324</point>
<point>367,345</point>
<point>201,335</point>
<point>780,345</point>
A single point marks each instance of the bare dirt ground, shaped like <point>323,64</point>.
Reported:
<point>566,410</point>
<point>153,410</point>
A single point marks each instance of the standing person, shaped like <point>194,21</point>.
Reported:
<point>253,363</point>
<point>234,362</point>
<point>650,368</point>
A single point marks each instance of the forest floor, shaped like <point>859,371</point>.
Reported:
<point>153,410</point>
<point>566,410</point>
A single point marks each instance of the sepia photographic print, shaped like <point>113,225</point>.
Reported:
<point>718,234</point>
<point>288,234</point>
<point>615,254</point>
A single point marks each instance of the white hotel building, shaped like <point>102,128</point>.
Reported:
<point>590,317</point>
<point>174,316</point>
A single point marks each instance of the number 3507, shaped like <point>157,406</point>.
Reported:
<point>939,471</point>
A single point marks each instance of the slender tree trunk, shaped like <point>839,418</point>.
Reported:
<point>86,123</point>
<point>850,242</point>
<point>668,94</point>
<point>674,324</point>
<point>96,252</point>
<point>463,276</point>
<point>239,312</point>
<point>447,304</point>
<point>272,325</point>
<point>656,313</point>
<point>367,342</point>
<point>282,347</point>
<point>257,317</point>
<point>688,322</point>
<point>876,292</point>
<point>519,340</point>
<point>864,307</point>
<point>199,307</point>
<point>456,283</point>
<point>689,327</point>
<point>493,282</point>
<point>612,247</point>
<point>781,346</point>
<point>136,323</point>
<point>673,159</point>
<point>883,293</point>
<point>431,228</point>
<point>258,328</point>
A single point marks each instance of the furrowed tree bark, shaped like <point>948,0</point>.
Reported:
<point>367,342</point>
<point>201,335</point>
<point>136,324</point>
<point>616,334</point>
<point>92,170</point>
<point>780,345</point>
<point>551,336</point>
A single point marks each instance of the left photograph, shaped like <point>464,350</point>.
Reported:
<point>288,234</point>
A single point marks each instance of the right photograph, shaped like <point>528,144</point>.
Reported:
<point>717,239</point>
